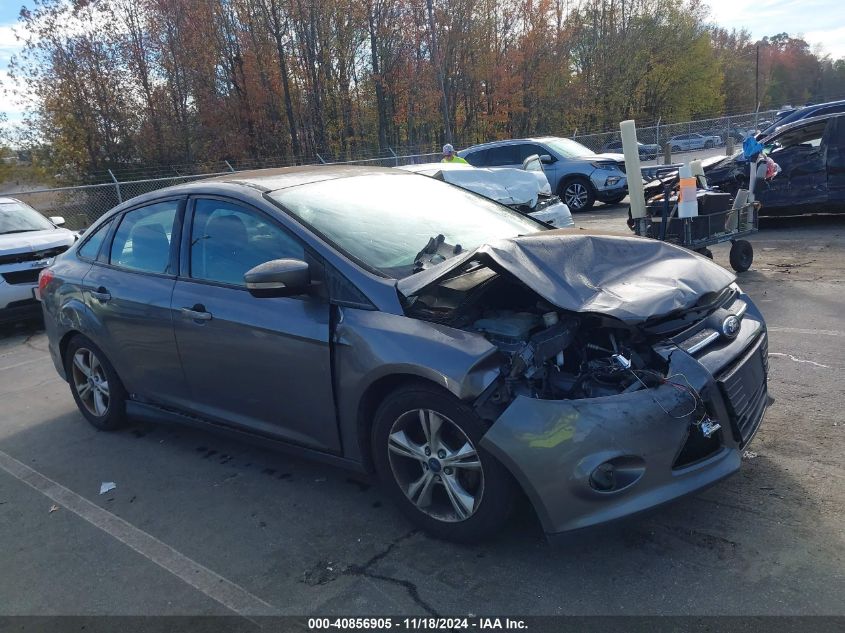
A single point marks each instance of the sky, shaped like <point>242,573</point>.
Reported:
<point>820,22</point>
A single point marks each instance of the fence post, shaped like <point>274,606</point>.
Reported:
<point>231,169</point>
<point>116,186</point>
<point>396,161</point>
<point>320,158</point>
<point>657,133</point>
<point>729,145</point>
<point>667,154</point>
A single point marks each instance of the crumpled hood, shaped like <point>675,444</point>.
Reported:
<point>617,158</point>
<point>629,278</point>
<point>33,241</point>
<point>507,186</point>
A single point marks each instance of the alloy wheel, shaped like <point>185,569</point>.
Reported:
<point>436,465</point>
<point>90,382</point>
<point>575,195</point>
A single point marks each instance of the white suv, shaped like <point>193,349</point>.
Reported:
<point>29,242</point>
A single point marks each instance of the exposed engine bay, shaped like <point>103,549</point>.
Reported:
<point>546,352</point>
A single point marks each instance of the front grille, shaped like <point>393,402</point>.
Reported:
<point>32,256</point>
<point>22,276</point>
<point>744,388</point>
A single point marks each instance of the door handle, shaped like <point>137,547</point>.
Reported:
<point>101,294</point>
<point>196,313</point>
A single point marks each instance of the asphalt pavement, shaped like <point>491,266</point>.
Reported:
<point>202,524</point>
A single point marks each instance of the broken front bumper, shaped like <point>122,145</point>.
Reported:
<point>586,462</point>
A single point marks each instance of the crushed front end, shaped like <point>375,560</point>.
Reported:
<point>599,417</point>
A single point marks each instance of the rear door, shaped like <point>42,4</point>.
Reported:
<point>259,363</point>
<point>128,289</point>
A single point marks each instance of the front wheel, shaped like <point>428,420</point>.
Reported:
<point>708,145</point>
<point>426,452</point>
<point>97,390</point>
<point>578,194</point>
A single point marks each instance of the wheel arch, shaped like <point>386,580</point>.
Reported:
<point>371,399</point>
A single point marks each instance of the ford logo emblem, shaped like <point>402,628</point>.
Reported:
<point>730,326</point>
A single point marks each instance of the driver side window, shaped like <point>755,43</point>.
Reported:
<point>228,239</point>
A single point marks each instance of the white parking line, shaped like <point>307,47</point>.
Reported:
<point>40,359</point>
<point>798,330</point>
<point>213,585</point>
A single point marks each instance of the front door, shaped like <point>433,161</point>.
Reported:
<point>259,363</point>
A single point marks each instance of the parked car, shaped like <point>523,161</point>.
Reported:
<point>689,142</point>
<point>577,174</point>
<point>647,151</point>
<point>811,155</point>
<point>736,132</point>
<point>395,324</point>
<point>28,243</point>
<point>798,114</point>
<point>524,191</point>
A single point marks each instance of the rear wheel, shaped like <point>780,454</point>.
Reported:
<point>741,256</point>
<point>708,144</point>
<point>578,194</point>
<point>676,149</point>
<point>97,390</point>
<point>426,452</point>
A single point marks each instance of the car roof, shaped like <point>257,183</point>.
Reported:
<point>786,127</point>
<point>510,141</point>
<point>285,177</point>
<point>7,200</point>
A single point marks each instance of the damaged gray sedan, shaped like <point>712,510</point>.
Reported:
<point>396,324</point>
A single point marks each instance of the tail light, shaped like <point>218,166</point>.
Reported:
<point>44,278</point>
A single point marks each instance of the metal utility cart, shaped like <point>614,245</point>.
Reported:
<point>700,232</point>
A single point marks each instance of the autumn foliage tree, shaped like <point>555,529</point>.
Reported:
<point>119,83</point>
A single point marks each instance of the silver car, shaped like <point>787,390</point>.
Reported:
<point>398,325</point>
<point>28,243</point>
<point>576,174</point>
<point>689,142</point>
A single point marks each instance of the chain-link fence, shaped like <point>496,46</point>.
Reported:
<point>685,141</point>
<point>81,205</point>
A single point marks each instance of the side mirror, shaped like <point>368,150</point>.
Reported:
<point>279,278</point>
<point>57,220</point>
<point>546,159</point>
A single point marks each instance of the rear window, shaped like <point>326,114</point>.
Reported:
<point>91,246</point>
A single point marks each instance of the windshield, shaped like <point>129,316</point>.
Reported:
<point>568,148</point>
<point>385,220</point>
<point>16,217</point>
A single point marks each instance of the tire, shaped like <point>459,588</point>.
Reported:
<point>616,200</point>
<point>578,194</point>
<point>709,145</point>
<point>676,149</point>
<point>466,497</point>
<point>95,386</point>
<point>706,252</point>
<point>741,256</point>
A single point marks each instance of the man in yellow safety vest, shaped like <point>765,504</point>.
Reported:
<point>449,155</point>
